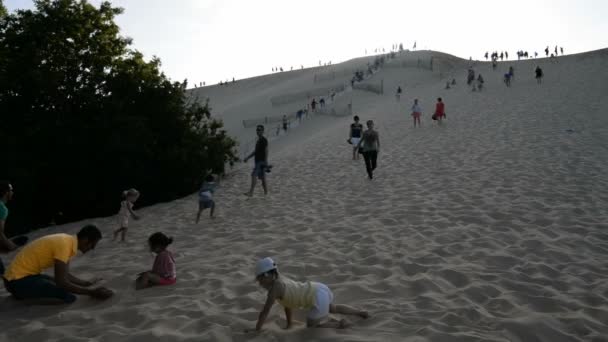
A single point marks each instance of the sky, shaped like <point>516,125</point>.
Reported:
<point>216,40</point>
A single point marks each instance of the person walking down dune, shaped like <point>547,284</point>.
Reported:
<point>354,136</point>
<point>312,296</point>
<point>439,111</point>
<point>313,105</point>
<point>285,123</point>
<point>416,112</point>
<point>398,94</point>
<point>539,74</point>
<point>261,161</point>
<point>370,145</point>
<point>480,82</point>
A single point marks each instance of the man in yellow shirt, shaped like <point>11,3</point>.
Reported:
<point>24,279</point>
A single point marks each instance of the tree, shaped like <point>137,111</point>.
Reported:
<point>3,11</point>
<point>84,117</point>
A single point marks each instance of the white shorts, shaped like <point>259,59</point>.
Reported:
<point>323,298</point>
<point>355,141</point>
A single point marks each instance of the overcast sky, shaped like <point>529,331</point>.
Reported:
<point>213,40</point>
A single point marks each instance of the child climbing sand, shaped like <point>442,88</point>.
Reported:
<point>205,197</point>
<point>163,270</point>
<point>315,297</point>
<point>126,211</point>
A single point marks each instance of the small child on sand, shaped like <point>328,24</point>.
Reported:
<point>205,196</point>
<point>126,211</point>
<point>315,297</point>
<point>163,270</point>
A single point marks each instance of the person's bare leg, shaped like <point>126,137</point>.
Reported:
<point>212,210</point>
<point>347,310</point>
<point>264,186</point>
<point>118,231</point>
<point>115,234</point>
<point>354,153</point>
<point>122,234</point>
<point>329,323</point>
<point>253,181</point>
<point>198,215</point>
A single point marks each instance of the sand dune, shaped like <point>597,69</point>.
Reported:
<point>491,227</point>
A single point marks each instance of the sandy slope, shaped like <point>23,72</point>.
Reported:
<point>491,227</point>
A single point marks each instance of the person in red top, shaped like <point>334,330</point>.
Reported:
<point>439,110</point>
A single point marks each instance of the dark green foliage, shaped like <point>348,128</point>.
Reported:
<point>83,117</point>
<point>3,11</point>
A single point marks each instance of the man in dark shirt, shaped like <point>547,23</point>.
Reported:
<point>261,161</point>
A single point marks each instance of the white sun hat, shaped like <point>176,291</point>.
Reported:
<point>265,265</point>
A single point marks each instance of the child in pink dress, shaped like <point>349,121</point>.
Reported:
<point>163,270</point>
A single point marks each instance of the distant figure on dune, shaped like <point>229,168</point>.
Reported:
<point>494,64</point>
<point>480,82</point>
<point>126,211</point>
<point>163,269</point>
<point>470,76</point>
<point>561,50</point>
<point>535,54</point>
<point>285,123</point>
<point>447,85</point>
<point>439,110</point>
<point>507,79</point>
<point>486,55</point>
<point>24,278</point>
<point>547,51</point>
<point>539,74</point>
<point>322,102</point>
<point>416,112</point>
<point>299,115</point>
<point>205,197</point>
<point>512,72</point>
<point>501,55</point>
<point>312,296</point>
<point>313,105</point>
<point>555,50</point>
<point>370,145</point>
<point>354,136</point>
<point>261,161</point>
<point>398,94</point>
<point>453,81</point>
<point>506,55</point>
